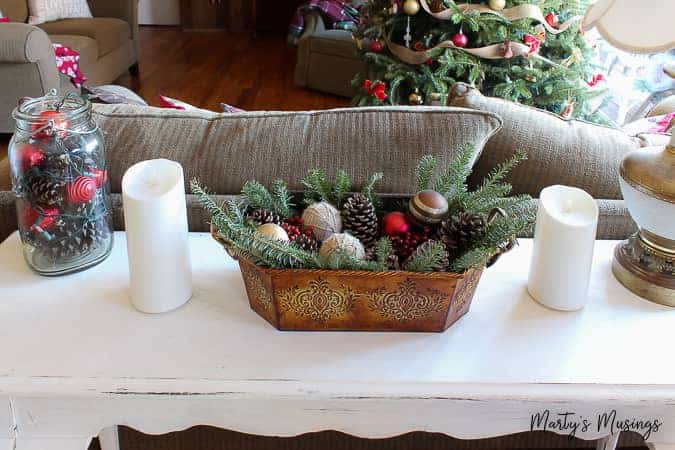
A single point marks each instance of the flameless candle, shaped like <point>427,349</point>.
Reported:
<point>564,238</point>
<point>155,216</point>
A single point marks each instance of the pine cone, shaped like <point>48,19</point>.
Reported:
<point>405,244</point>
<point>421,248</point>
<point>359,219</point>
<point>392,262</point>
<point>76,238</point>
<point>46,191</point>
<point>462,230</point>
<point>263,216</point>
<point>306,242</point>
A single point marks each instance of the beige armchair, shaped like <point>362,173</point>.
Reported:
<point>327,59</point>
<point>108,46</point>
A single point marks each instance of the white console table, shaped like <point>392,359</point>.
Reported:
<point>78,359</point>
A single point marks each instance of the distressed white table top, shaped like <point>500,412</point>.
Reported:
<point>80,332</point>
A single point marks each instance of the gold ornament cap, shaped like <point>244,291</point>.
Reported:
<point>651,171</point>
<point>411,7</point>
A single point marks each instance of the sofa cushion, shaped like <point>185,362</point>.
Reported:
<point>17,10</point>
<point>226,150</point>
<point>109,33</point>
<point>85,45</point>
<point>333,42</point>
<point>560,151</point>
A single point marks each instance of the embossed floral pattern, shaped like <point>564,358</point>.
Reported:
<point>406,303</point>
<point>465,290</point>
<point>256,289</point>
<point>318,300</point>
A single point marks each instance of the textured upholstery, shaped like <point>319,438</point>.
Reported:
<point>226,150</point>
<point>560,151</point>
<point>109,33</point>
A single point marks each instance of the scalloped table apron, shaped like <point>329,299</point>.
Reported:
<point>78,360</point>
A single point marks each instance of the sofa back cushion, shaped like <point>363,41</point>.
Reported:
<point>559,151</point>
<point>17,10</point>
<point>226,150</point>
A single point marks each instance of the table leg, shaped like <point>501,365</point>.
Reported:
<point>109,439</point>
<point>608,443</point>
<point>51,443</point>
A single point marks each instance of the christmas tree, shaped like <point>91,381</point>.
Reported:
<point>528,51</point>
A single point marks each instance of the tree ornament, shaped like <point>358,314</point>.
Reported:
<point>49,121</point>
<point>342,243</point>
<point>461,230</point>
<point>82,190</point>
<point>415,98</point>
<point>568,109</point>
<point>377,89</point>
<point>497,5</point>
<point>273,231</point>
<point>262,216</point>
<point>31,156</point>
<point>376,46</point>
<point>552,19</point>
<point>460,40</point>
<point>411,7</point>
<point>428,207</point>
<point>47,191</point>
<point>359,219</point>
<point>324,219</point>
<point>395,223</point>
<point>100,176</point>
<point>507,50</point>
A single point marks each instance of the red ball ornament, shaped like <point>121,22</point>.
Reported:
<point>31,156</point>
<point>82,190</point>
<point>460,40</point>
<point>45,220</point>
<point>395,223</point>
<point>59,121</point>
<point>552,19</point>
<point>377,46</point>
<point>100,176</point>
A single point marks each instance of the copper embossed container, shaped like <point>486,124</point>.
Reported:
<point>337,300</point>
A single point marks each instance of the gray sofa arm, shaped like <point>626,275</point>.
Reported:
<point>313,24</point>
<point>22,43</point>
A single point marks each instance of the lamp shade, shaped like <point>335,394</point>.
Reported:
<point>636,26</point>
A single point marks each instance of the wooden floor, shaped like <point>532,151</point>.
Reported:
<point>209,67</point>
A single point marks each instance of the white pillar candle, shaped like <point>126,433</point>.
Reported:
<point>155,216</point>
<point>567,224</point>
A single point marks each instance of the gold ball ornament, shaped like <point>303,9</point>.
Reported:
<point>273,231</point>
<point>343,243</point>
<point>324,218</point>
<point>428,207</point>
<point>497,5</point>
<point>415,99</point>
<point>411,7</point>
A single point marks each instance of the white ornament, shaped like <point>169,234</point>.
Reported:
<point>497,5</point>
<point>345,243</point>
<point>408,36</point>
<point>274,231</point>
<point>324,218</point>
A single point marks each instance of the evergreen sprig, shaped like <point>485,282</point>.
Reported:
<point>369,189</point>
<point>429,258</point>
<point>383,251</point>
<point>278,201</point>
<point>319,188</point>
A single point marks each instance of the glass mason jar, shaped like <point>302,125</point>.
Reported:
<point>60,180</point>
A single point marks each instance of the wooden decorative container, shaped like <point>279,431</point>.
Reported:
<point>337,300</point>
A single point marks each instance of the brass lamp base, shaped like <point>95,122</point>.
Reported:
<point>644,265</point>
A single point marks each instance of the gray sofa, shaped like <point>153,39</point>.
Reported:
<point>225,150</point>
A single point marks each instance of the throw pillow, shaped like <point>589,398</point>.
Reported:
<point>42,11</point>
<point>560,151</point>
<point>172,103</point>
<point>113,94</point>
<point>3,19</point>
<point>226,150</point>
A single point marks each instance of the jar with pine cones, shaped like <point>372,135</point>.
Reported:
<point>60,180</point>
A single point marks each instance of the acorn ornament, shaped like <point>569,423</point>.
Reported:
<point>428,207</point>
<point>324,219</point>
<point>273,231</point>
<point>342,243</point>
<point>497,5</point>
<point>411,7</point>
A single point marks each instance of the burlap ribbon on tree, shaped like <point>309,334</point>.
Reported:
<point>504,50</point>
